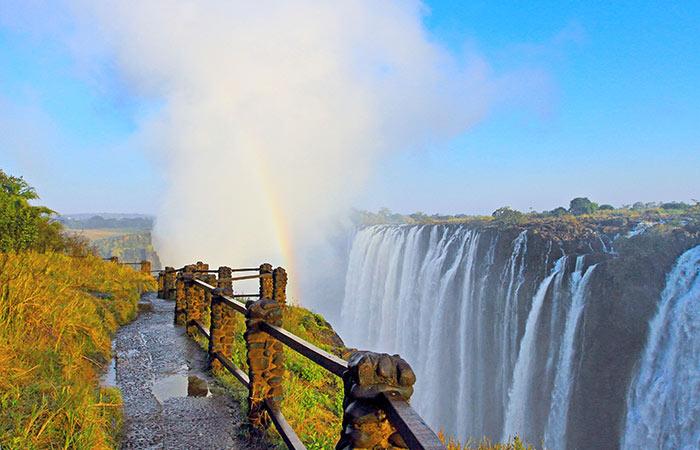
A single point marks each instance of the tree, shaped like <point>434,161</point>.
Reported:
<point>508,215</point>
<point>559,211</point>
<point>23,226</point>
<point>606,207</point>
<point>581,205</point>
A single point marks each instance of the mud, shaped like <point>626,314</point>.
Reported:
<point>170,401</point>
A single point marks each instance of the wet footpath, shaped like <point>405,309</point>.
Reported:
<point>170,402</point>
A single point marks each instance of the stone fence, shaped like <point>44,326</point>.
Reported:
<point>377,387</point>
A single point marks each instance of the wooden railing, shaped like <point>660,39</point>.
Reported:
<point>377,386</point>
<point>144,266</point>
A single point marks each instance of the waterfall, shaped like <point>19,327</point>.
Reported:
<point>663,403</point>
<point>555,437</point>
<point>518,402</point>
<point>501,328</point>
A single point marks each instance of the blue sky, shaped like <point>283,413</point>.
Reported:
<point>615,117</point>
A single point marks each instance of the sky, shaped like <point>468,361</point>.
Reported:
<point>596,99</point>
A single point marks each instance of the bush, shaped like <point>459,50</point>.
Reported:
<point>507,215</point>
<point>606,207</point>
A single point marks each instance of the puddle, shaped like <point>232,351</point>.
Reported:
<point>180,385</point>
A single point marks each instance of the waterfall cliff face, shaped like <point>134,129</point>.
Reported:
<point>502,327</point>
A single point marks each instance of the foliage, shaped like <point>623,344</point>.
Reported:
<point>27,227</point>
<point>606,207</point>
<point>507,215</point>
<point>581,205</point>
<point>54,342</point>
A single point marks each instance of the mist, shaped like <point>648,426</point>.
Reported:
<point>274,114</point>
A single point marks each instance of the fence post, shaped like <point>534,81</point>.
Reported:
<point>279,285</point>
<point>181,289</point>
<point>224,280</point>
<point>114,259</point>
<point>195,301</point>
<point>146,266</point>
<point>265,282</point>
<point>222,321</point>
<point>169,284</point>
<point>161,280</point>
<point>365,423</point>
<point>265,360</point>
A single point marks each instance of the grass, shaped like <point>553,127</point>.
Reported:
<point>485,444</point>
<point>55,339</point>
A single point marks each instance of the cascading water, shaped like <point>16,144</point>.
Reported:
<point>663,404</point>
<point>468,308</point>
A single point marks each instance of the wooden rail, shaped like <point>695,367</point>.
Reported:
<point>191,284</point>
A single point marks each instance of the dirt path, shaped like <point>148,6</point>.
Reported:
<point>170,402</point>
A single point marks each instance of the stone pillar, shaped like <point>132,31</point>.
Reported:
<point>202,274</point>
<point>265,282</point>
<point>184,281</point>
<point>365,423</point>
<point>279,285</point>
<point>113,259</point>
<point>161,279</point>
<point>265,360</point>
<point>146,266</point>
<point>224,280</point>
<point>169,286</point>
<point>222,329</point>
<point>195,306</point>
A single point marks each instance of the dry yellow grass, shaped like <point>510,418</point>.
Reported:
<point>55,338</point>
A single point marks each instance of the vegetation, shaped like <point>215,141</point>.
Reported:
<point>485,444</point>
<point>581,209</point>
<point>97,222</point>
<point>26,227</point>
<point>55,338</point>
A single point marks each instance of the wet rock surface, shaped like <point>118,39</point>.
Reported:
<point>170,401</point>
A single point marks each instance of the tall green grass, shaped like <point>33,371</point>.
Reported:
<point>55,339</point>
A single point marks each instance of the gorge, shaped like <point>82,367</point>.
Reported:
<point>557,333</point>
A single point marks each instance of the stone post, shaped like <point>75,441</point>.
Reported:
<point>210,279</point>
<point>195,305</point>
<point>279,285</point>
<point>169,284</point>
<point>222,330</point>
<point>365,423</point>
<point>265,282</point>
<point>224,281</point>
<point>114,259</point>
<point>265,360</point>
<point>161,279</point>
<point>146,266</point>
<point>184,280</point>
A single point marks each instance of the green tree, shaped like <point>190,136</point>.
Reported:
<point>606,207</point>
<point>581,205</point>
<point>23,226</point>
<point>507,215</point>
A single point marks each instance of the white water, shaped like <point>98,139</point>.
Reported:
<point>459,305</point>
<point>663,405</point>
<point>518,397</point>
<point>555,436</point>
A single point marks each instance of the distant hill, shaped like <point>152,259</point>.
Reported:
<point>100,221</point>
